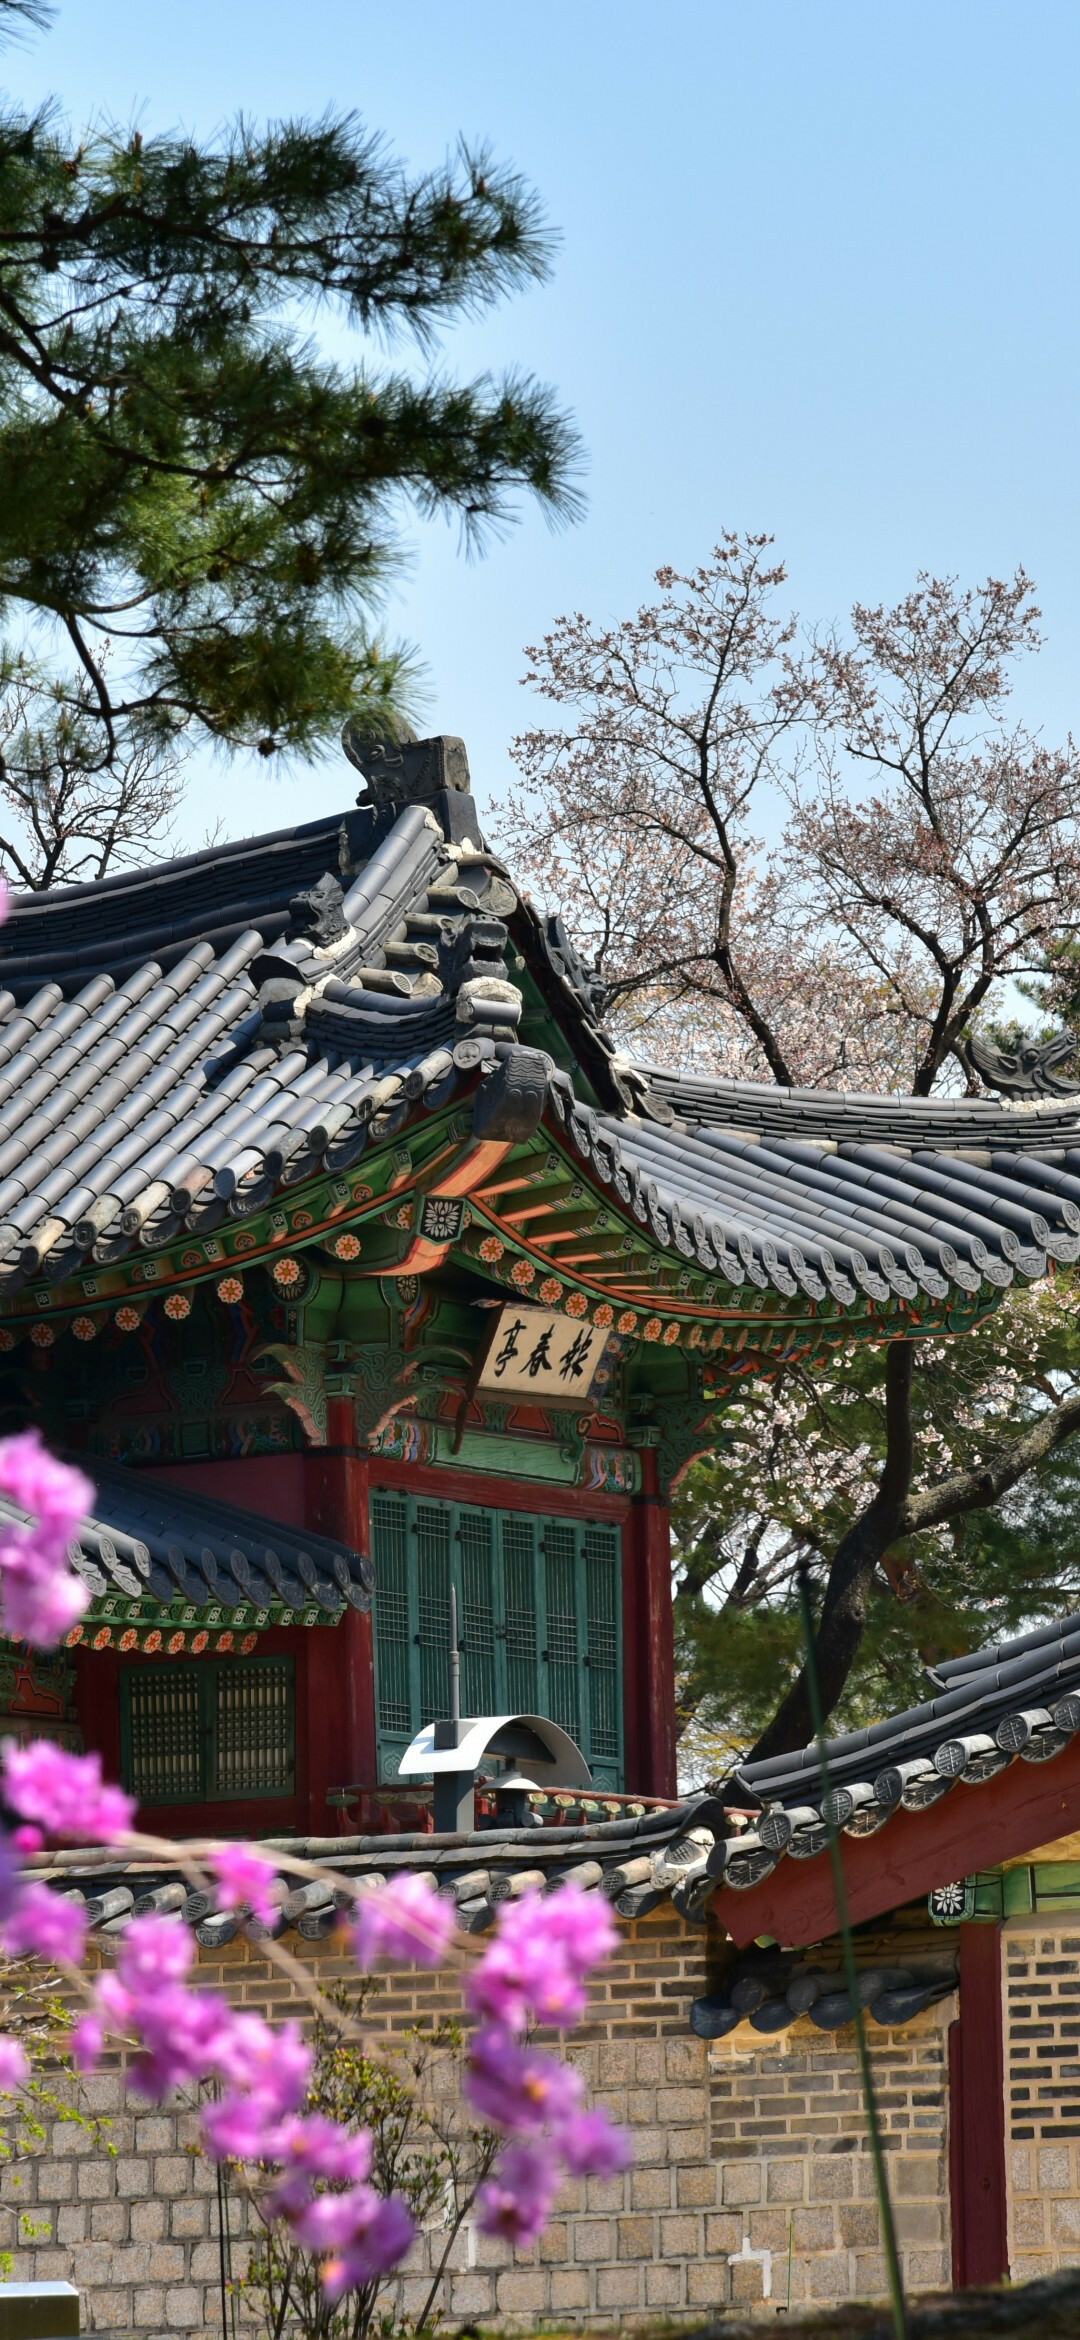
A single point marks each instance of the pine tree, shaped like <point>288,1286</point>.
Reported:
<point>198,508</point>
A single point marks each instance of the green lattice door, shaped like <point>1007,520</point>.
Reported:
<point>539,1604</point>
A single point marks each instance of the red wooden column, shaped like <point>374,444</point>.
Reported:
<point>977,2114</point>
<point>648,1641</point>
<point>341,1662</point>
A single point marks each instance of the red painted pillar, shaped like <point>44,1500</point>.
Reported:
<point>341,1672</point>
<point>977,2114</point>
<point>649,1641</point>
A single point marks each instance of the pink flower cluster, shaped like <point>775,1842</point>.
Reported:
<point>184,2035</point>
<point>537,1968</point>
<point>535,1971</point>
<point>405,1919</point>
<point>64,1793</point>
<point>40,1595</point>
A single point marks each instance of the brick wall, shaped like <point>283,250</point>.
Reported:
<point>740,2151</point>
<point>796,2188</point>
<point>1042,2082</point>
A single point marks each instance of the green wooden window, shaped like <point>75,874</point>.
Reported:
<point>201,1733</point>
<point>539,1608</point>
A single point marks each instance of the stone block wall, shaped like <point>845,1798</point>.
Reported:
<point>1042,2085</point>
<point>796,2200</point>
<point>747,2152</point>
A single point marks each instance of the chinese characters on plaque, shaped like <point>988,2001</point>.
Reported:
<point>535,1353</point>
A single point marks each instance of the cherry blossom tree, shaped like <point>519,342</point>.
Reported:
<point>814,860</point>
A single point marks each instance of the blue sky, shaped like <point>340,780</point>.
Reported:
<point>818,274</point>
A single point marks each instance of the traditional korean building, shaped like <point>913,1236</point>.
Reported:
<point>342,1240</point>
<point>344,1246</point>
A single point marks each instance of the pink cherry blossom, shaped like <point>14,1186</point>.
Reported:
<point>14,2065</point>
<point>330,2222</point>
<point>381,2247</point>
<point>247,1880</point>
<point>64,1793</point>
<point>591,2145</point>
<point>404,1919</point>
<point>536,1968</point>
<point>518,2089</point>
<point>42,1924</point>
<point>40,1595</point>
<point>87,2043</point>
<point>155,1950</point>
<point>272,2066</point>
<point>516,2201</point>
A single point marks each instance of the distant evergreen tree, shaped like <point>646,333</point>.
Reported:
<point>199,509</point>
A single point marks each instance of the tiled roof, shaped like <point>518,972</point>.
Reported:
<point>182,1043</point>
<point>636,1862</point>
<point>150,1548</point>
<point>1017,1701</point>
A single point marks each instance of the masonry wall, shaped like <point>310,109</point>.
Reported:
<point>1042,2086</point>
<point>749,2156</point>
<point>794,2212</point>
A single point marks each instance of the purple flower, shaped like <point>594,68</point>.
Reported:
<point>592,2146</point>
<point>87,2043</point>
<point>43,1924</point>
<point>381,2247</point>
<point>520,2089</point>
<point>536,1968</point>
<point>247,1881</point>
<point>14,2065</point>
<point>155,1950</point>
<point>181,2034</point>
<point>581,1926</point>
<point>64,1792</point>
<point>309,2147</point>
<point>274,2066</point>
<point>518,1983</point>
<point>516,2201</point>
<point>405,1919</point>
<point>239,2128</point>
<point>330,2222</point>
<point>40,1596</point>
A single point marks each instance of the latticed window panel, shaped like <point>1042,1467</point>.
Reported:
<point>522,1643</point>
<point>540,1620</point>
<point>433,1529</point>
<point>209,1732</point>
<point>477,1612</point>
<point>390,1552</point>
<point>253,1730</point>
<point>601,1550</point>
<point>563,1653</point>
<point>162,1711</point>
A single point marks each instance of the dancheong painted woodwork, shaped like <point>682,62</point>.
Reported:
<point>357,1261</point>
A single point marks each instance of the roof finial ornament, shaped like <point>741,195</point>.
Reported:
<point>406,770</point>
<point>1027,1071</point>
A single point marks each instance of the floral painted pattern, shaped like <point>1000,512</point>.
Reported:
<point>127,1319</point>
<point>576,1304</point>
<point>523,1273</point>
<point>492,1248</point>
<point>627,1321</point>
<point>84,1328</point>
<point>347,1247</point>
<point>177,1306</point>
<point>286,1272</point>
<point>230,1289</point>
